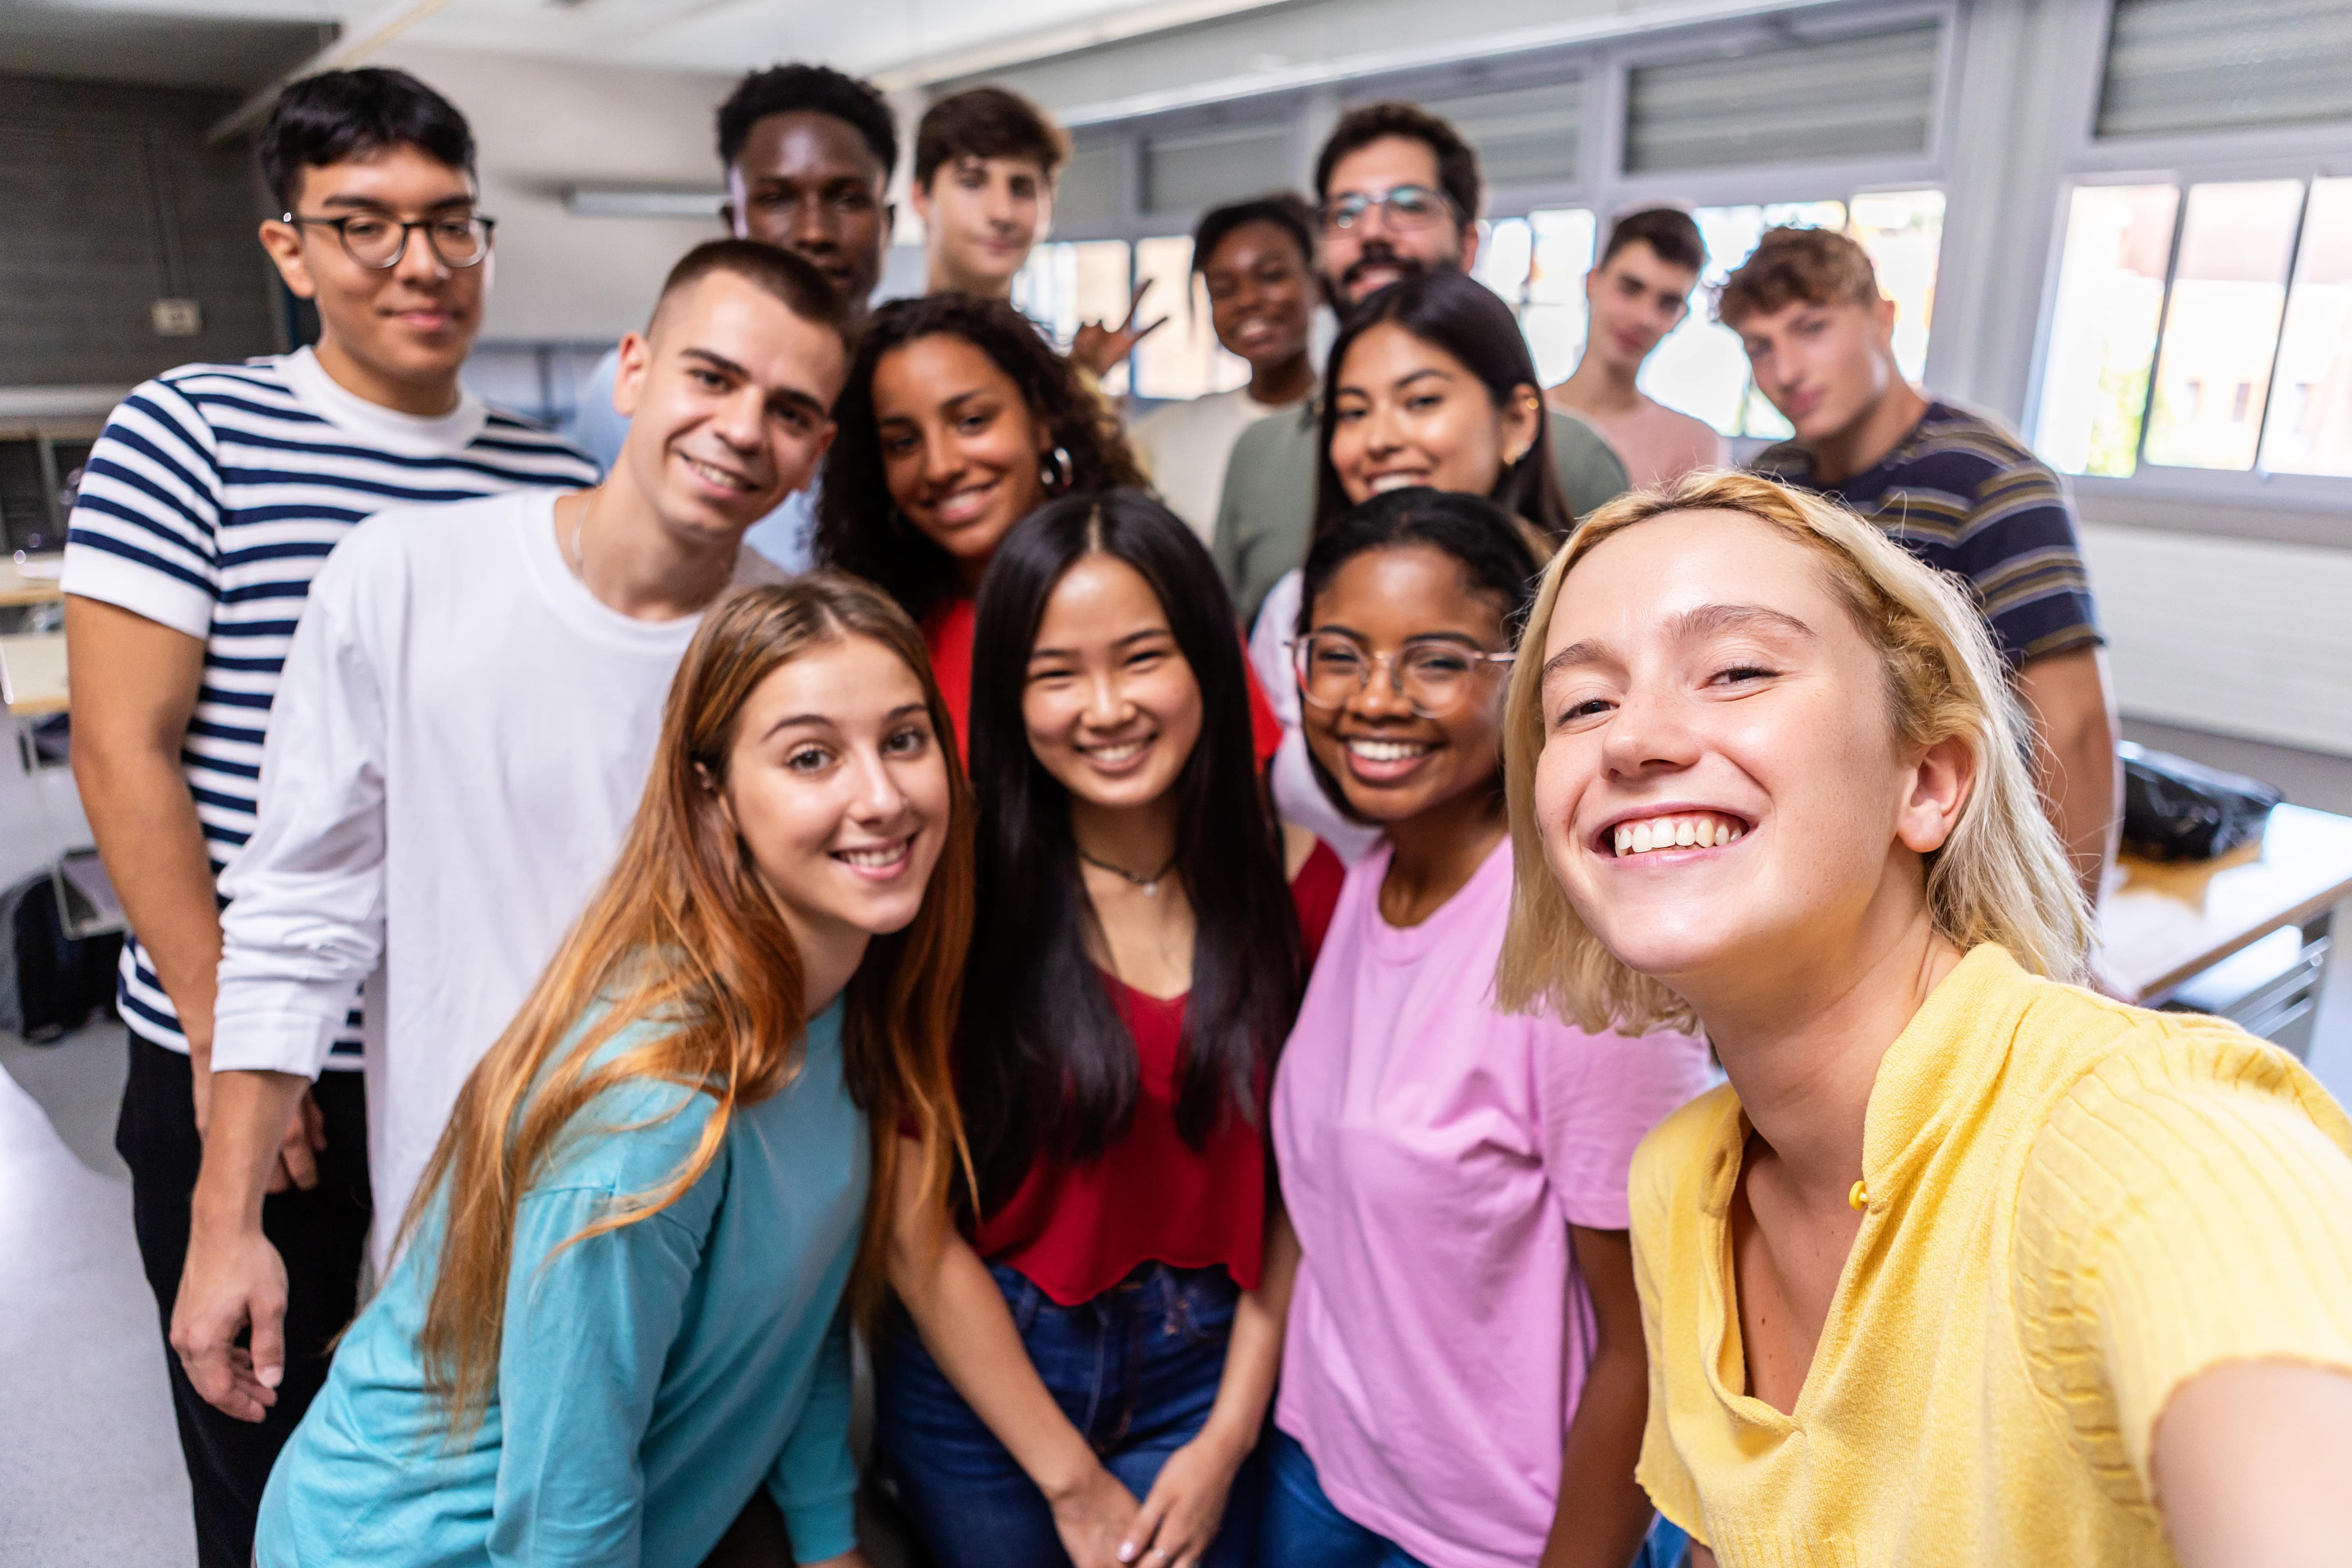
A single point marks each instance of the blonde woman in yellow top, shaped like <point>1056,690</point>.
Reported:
<point>1965,1264</point>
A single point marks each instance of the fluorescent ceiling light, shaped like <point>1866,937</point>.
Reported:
<point>642,201</point>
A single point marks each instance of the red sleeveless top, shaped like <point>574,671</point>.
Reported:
<point>1076,1230</point>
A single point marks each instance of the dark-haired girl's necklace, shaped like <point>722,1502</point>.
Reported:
<point>1150,885</point>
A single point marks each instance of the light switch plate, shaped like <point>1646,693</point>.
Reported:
<point>176,318</point>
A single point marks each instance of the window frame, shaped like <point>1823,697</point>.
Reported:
<point>2321,150</point>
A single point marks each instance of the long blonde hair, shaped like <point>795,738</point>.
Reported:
<point>684,934</point>
<point>2001,877</point>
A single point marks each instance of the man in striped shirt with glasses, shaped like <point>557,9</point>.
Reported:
<point>209,503</point>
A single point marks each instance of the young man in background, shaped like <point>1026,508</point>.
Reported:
<point>808,153</point>
<point>470,708</point>
<point>208,505</point>
<point>985,161</point>
<point>1639,291</point>
<point>1951,486</point>
<point>1400,191</point>
<point>985,164</point>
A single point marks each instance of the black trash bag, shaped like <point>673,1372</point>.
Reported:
<point>49,983</point>
<point>2175,809</point>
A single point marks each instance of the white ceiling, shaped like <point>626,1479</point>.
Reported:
<point>906,42</point>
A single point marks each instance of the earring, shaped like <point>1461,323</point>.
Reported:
<point>1511,459</point>
<point>1056,475</point>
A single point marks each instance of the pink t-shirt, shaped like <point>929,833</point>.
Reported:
<point>1434,1152</point>
<point>1659,445</point>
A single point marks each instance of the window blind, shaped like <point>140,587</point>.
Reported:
<point>2217,65</point>
<point>1524,135</point>
<point>1088,190</point>
<point>1190,170</point>
<point>1837,98</point>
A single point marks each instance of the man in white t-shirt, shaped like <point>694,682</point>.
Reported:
<point>470,710</point>
<point>1258,258</point>
<point>1638,293</point>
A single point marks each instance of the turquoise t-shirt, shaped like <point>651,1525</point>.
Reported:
<point>650,1379</point>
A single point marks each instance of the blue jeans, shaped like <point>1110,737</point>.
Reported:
<point>1136,1369</point>
<point>1299,1528</point>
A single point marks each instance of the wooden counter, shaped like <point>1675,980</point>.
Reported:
<point>2166,923</point>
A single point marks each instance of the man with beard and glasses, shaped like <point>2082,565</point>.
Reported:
<point>1399,191</point>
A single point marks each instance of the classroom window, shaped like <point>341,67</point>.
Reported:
<point>2205,326</point>
<point>1067,282</point>
<point>2309,428</point>
<point>1538,264</point>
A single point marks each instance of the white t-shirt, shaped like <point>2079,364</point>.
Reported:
<point>459,744</point>
<point>1184,448</point>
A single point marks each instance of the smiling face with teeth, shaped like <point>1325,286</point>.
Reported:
<point>1393,764</point>
<point>1111,705</point>
<point>1405,412</point>
<point>1721,789</point>
<point>728,396</point>
<point>961,451</point>
<point>838,789</point>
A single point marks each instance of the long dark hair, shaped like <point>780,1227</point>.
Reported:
<point>1451,310</point>
<point>1487,543</point>
<point>859,529</point>
<point>1046,1066</point>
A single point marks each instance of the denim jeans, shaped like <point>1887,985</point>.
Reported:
<point>1136,1369</point>
<point>1299,1528</point>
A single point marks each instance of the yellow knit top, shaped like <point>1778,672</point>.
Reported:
<point>2072,1207</point>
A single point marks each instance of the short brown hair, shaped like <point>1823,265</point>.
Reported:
<point>1457,161</point>
<point>1670,232</point>
<point>1818,266</point>
<point>987,123</point>
<point>790,277</point>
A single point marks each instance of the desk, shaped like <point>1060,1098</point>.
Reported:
<point>32,674</point>
<point>17,588</point>
<point>2165,930</point>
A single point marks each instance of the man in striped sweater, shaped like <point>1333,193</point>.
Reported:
<point>209,503</point>
<point>1951,486</point>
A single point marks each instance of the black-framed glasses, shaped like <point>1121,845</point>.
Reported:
<point>1404,208</point>
<point>374,240</point>
<point>1435,677</point>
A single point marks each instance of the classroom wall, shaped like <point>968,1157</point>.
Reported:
<point>112,200</point>
<point>540,125</point>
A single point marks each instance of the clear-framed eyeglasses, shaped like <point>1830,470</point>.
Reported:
<point>1435,677</point>
<point>1404,207</point>
<point>376,241</point>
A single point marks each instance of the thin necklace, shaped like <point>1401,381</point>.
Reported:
<point>1150,885</point>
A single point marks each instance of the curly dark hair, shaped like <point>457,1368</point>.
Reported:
<point>859,528</point>
<point>821,89</point>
